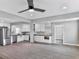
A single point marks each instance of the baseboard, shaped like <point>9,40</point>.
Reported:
<point>57,44</point>
<point>70,44</point>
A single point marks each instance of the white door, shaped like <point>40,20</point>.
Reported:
<point>58,34</point>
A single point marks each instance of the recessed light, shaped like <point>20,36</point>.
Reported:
<point>65,7</point>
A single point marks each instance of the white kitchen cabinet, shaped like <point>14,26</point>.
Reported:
<point>22,38</point>
<point>19,38</point>
<point>38,38</point>
<point>26,37</point>
<point>41,39</point>
<point>40,27</point>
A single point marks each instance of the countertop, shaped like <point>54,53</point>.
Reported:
<point>42,35</point>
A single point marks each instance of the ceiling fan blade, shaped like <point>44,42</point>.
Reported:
<point>23,11</point>
<point>40,10</point>
<point>30,3</point>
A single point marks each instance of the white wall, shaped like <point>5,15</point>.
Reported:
<point>71,32</point>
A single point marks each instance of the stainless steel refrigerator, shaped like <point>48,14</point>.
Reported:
<point>4,38</point>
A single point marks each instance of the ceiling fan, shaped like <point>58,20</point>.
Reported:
<point>31,7</point>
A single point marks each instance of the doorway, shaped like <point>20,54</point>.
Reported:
<point>58,33</point>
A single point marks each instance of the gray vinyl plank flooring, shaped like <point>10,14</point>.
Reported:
<point>38,51</point>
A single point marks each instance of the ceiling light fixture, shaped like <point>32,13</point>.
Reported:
<point>31,10</point>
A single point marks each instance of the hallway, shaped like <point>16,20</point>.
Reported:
<point>38,51</point>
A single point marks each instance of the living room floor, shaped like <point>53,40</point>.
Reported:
<point>38,51</point>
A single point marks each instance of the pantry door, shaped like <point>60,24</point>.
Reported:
<point>58,34</point>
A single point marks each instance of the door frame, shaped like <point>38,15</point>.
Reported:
<point>53,31</point>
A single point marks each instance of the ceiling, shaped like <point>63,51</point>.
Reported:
<point>52,7</point>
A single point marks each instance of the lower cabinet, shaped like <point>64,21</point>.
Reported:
<point>42,39</point>
<point>19,38</point>
<point>26,37</point>
<point>22,38</point>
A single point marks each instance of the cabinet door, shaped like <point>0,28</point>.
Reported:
<point>48,28</point>
<point>40,27</point>
<point>20,38</point>
<point>26,37</point>
<point>39,38</point>
<point>25,28</point>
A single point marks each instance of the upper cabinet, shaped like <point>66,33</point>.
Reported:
<point>48,27</point>
<point>20,28</point>
<point>39,27</point>
<point>44,28</point>
<point>26,27</point>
